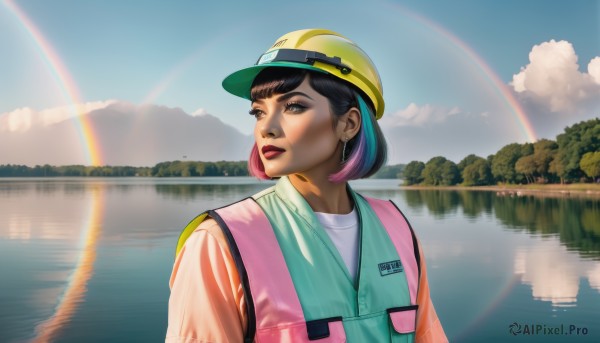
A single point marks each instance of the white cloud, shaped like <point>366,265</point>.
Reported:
<point>414,115</point>
<point>23,119</point>
<point>594,69</point>
<point>553,79</point>
<point>453,111</point>
<point>17,120</point>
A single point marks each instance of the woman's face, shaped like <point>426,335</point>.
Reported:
<point>294,133</point>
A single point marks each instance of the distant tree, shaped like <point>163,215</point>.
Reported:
<point>96,172</point>
<point>177,168</point>
<point>526,166</point>
<point>433,173</point>
<point>557,168</point>
<point>577,140</point>
<point>526,149</point>
<point>465,162</point>
<point>199,168</point>
<point>477,173</point>
<point>47,170</point>
<point>450,173</point>
<point>590,164</point>
<point>186,171</point>
<point>470,159</point>
<point>389,172</point>
<point>210,169</point>
<point>503,162</point>
<point>413,173</point>
<point>544,152</point>
<point>160,169</point>
<point>219,168</point>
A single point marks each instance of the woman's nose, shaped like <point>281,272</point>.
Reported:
<point>269,126</point>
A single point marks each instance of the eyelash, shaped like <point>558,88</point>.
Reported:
<point>256,112</point>
<point>298,105</point>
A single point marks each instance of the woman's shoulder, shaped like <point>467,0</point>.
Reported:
<point>208,224</point>
<point>208,227</point>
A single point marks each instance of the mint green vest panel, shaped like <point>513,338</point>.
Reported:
<point>320,276</point>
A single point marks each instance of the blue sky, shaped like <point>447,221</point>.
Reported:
<point>125,50</point>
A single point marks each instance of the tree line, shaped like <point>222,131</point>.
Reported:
<point>163,169</point>
<point>573,157</point>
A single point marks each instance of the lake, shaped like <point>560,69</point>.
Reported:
<point>89,259</point>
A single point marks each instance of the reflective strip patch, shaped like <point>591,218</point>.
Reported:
<point>391,267</point>
<point>268,57</point>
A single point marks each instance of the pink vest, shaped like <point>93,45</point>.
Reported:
<point>271,298</point>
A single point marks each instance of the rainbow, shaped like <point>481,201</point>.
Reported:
<point>74,293</point>
<point>489,309</point>
<point>77,285</point>
<point>171,76</point>
<point>68,87</point>
<point>176,71</point>
<point>492,77</point>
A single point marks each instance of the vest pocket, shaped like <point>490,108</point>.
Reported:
<point>403,322</point>
<point>298,332</point>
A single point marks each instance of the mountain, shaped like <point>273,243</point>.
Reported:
<point>127,134</point>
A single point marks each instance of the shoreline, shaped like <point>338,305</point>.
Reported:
<point>549,190</point>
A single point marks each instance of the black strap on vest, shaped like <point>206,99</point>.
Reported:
<point>402,308</point>
<point>319,328</point>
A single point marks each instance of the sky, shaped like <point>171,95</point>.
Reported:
<point>459,77</point>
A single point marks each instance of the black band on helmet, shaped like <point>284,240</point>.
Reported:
<point>302,56</point>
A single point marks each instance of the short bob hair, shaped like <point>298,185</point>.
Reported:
<point>366,152</point>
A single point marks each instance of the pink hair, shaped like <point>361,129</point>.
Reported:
<point>255,166</point>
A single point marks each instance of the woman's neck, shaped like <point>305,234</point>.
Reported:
<point>323,195</point>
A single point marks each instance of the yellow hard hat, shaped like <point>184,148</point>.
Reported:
<point>320,50</point>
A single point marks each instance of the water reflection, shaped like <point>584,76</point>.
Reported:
<point>191,192</point>
<point>55,225</point>
<point>561,245</point>
<point>439,203</point>
<point>576,221</point>
<point>513,258</point>
<point>75,291</point>
<point>554,273</point>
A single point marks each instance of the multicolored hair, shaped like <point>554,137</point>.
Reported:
<point>366,152</point>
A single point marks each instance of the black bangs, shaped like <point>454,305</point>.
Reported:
<point>270,81</point>
<point>276,81</point>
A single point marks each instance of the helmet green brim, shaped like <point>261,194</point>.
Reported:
<point>240,82</point>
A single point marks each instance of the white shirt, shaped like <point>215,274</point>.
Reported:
<point>343,232</point>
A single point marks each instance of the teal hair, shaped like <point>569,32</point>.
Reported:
<point>368,149</point>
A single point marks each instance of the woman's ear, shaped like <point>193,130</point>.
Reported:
<point>349,124</point>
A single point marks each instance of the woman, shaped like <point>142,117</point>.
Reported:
<point>308,259</point>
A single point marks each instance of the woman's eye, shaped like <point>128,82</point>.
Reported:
<point>295,107</point>
<point>257,113</point>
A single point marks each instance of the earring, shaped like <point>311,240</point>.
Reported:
<point>344,150</point>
